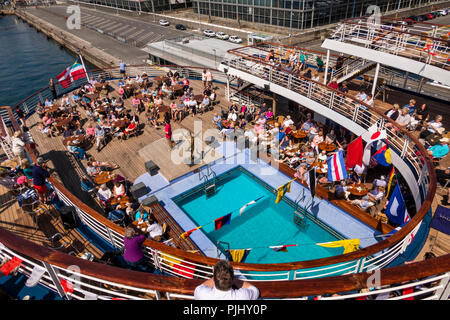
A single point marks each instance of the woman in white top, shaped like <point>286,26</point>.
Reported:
<point>18,145</point>
<point>322,157</point>
<point>155,230</point>
<point>316,140</point>
<point>232,116</point>
<point>119,190</point>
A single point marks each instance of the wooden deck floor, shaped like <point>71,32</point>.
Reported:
<point>15,220</point>
<point>126,153</point>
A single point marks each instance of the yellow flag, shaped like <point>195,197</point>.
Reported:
<point>282,190</point>
<point>349,245</point>
<point>237,255</point>
<point>186,234</point>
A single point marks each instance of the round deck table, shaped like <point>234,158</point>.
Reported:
<point>103,177</point>
<point>358,189</point>
<point>328,147</point>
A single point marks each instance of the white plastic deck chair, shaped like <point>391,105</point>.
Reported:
<point>35,276</point>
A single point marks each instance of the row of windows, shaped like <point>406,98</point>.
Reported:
<point>315,12</point>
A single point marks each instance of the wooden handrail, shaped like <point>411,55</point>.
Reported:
<point>275,289</point>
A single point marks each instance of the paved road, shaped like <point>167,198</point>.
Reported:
<point>120,36</point>
<point>127,28</point>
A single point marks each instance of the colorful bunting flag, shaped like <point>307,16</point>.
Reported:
<point>282,190</point>
<point>349,245</point>
<point>186,234</point>
<point>282,248</point>
<point>220,222</point>
<point>237,255</point>
<point>250,203</point>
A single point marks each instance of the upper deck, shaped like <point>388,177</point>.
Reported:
<point>420,50</point>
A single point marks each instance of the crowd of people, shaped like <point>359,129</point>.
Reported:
<point>296,140</point>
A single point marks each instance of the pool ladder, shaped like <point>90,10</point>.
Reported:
<point>210,180</point>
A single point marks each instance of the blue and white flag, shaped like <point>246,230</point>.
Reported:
<point>396,209</point>
<point>336,167</point>
<point>246,205</point>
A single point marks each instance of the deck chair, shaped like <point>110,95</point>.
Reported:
<point>133,132</point>
<point>87,185</point>
<point>35,276</point>
<point>165,233</point>
<point>280,119</point>
<point>31,206</point>
<point>64,242</point>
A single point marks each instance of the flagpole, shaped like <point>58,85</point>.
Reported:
<point>82,63</point>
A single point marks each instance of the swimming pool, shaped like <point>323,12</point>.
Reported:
<point>261,225</point>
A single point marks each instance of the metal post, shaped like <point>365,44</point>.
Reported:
<point>228,88</point>
<point>55,280</point>
<point>292,13</point>
<point>199,20</point>
<point>274,104</point>
<point>406,79</point>
<point>153,9</point>
<point>375,79</point>
<point>326,68</point>
<point>82,62</point>
<point>419,87</point>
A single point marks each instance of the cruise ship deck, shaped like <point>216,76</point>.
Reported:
<point>39,234</point>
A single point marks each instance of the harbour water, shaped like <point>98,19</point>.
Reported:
<point>28,59</point>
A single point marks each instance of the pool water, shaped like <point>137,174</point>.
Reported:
<point>261,225</point>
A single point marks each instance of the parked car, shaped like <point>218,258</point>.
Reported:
<point>406,22</point>
<point>222,35</point>
<point>209,33</point>
<point>180,27</point>
<point>235,39</point>
<point>443,12</point>
<point>164,22</point>
<point>421,18</point>
<point>413,18</point>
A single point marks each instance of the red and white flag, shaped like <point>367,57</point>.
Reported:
<point>70,74</point>
<point>371,136</point>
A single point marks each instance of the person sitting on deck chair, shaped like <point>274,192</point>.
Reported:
<point>155,230</point>
<point>104,194</point>
<point>119,190</point>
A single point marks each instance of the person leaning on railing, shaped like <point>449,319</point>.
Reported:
<point>133,253</point>
<point>224,286</point>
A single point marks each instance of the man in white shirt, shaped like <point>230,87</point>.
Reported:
<point>404,118</point>
<point>288,122</point>
<point>232,116</point>
<point>155,231</point>
<point>209,78</point>
<point>104,193</point>
<point>223,286</point>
